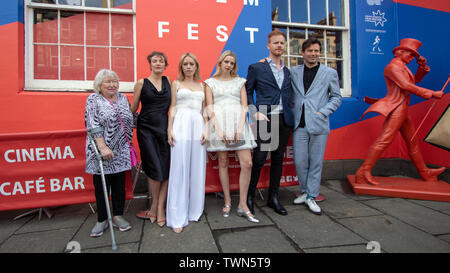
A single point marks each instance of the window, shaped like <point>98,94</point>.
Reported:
<point>68,41</point>
<point>328,21</point>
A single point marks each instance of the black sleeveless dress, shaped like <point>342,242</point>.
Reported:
<point>152,130</point>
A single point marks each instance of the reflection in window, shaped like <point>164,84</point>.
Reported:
<point>296,38</point>
<point>45,26</point>
<point>336,64</point>
<point>44,1</point>
<point>321,19</point>
<point>97,29</point>
<point>86,42</point>
<point>122,4</point>
<point>280,10</point>
<point>335,12</point>
<point>46,62</point>
<point>334,44</point>
<point>72,63</point>
<point>296,60</point>
<point>71,2</point>
<point>97,3</point>
<point>71,27</point>
<point>317,12</point>
<point>301,11</point>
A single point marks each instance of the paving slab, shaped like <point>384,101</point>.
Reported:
<point>8,225</point>
<point>195,238</point>
<point>362,248</point>
<point>445,237</point>
<point>343,186</point>
<point>53,241</point>
<point>348,223</point>
<point>338,205</point>
<point>440,206</point>
<point>285,195</point>
<point>394,235</point>
<point>426,219</point>
<point>213,212</point>
<point>255,240</point>
<point>121,248</point>
<point>131,236</point>
<point>63,217</point>
<point>308,230</point>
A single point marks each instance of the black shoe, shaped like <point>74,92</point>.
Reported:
<point>250,204</point>
<point>276,206</point>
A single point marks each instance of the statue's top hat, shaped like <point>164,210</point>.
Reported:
<point>409,44</point>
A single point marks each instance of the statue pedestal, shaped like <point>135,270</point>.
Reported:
<point>404,188</point>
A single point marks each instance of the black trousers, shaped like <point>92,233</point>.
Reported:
<point>271,137</point>
<point>115,184</point>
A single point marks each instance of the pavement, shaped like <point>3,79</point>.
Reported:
<point>350,223</point>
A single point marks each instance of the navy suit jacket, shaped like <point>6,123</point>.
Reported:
<point>261,80</point>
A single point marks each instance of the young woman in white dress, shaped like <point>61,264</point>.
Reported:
<point>187,136</point>
<point>226,101</point>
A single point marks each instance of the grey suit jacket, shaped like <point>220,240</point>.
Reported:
<point>323,96</point>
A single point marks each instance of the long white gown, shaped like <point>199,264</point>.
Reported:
<point>186,193</point>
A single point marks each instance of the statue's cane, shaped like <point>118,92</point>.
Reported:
<point>429,110</point>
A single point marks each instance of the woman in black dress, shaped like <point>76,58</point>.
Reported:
<point>154,94</point>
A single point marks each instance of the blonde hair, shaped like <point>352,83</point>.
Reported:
<point>181,75</point>
<point>101,75</point>
<point>222,57</point>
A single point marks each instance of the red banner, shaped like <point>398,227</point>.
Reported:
<point>288,177</point>
<point>46,169</point>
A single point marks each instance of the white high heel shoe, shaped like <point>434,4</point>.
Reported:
<point>247,215</point>
<point>226,210</point>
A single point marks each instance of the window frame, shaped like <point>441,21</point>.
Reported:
<point>346,43</point>
<point>32,84</point>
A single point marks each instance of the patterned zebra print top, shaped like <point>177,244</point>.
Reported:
<point>100,113</point>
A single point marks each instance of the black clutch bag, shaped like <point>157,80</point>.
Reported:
<point>235,144</point>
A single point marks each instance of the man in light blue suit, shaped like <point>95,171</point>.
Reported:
<point>316,96</point>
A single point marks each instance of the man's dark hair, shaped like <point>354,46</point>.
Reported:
<point>309,42</point>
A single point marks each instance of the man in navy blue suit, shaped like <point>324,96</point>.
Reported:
<point>271,81</point>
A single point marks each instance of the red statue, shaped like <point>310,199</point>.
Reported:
<point>400,84</point>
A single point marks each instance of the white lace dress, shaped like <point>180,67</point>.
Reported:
<point>186,192</point>
<point>227,109</point>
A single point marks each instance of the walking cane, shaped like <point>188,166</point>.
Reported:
<point>429,110</point>
<point>105,192</point>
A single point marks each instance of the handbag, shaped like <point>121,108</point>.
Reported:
<point>133,154</point>
<point>235,144</point>
<point>439,134</point>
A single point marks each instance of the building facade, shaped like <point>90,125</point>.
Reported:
<point>52,49</point>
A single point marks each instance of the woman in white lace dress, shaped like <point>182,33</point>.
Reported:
<point>187,136</point>
<point>226,101</point>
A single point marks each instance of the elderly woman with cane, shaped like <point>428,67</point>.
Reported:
<point>109,122</point>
